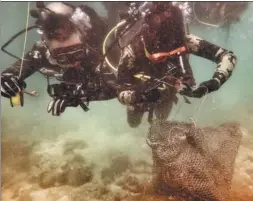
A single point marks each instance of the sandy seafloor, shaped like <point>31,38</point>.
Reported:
<point>96,156</point>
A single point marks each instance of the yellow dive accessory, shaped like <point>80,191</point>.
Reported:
<point>145,78</point>
<point>18,100</point>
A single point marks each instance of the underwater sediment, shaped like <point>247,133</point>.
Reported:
<point>65,169</point>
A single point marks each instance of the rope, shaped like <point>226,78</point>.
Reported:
<point>26,31</point>
<point>104,45</point>
<point>194,117</point>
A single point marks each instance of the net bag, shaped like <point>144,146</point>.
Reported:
<point>193,162</point>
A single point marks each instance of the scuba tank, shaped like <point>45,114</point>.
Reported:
<point>126,29</point>
<point>138,16</point>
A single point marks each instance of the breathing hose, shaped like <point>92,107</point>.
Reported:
<point>105,41</point>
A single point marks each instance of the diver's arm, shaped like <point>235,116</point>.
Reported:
<point>126,68</point>
<point>226,60</point>
<point>32,61</point>
<point>12,78</point>
<point>130,93</point>
<point>108,86</point>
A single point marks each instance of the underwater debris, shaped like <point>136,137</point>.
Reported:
<point>194,162</point>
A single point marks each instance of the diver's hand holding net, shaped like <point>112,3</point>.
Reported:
<point>194,162</point>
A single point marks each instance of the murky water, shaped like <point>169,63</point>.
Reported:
<point>104,127</point>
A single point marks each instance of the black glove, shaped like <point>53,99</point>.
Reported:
<point>131,97</point>
<point>203,89</point>
<point>151,96</point>
<point>58,105</point>
<point>11,85</point>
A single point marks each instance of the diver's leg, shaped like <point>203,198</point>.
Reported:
<point>163,109</point>
<point>134,116</point>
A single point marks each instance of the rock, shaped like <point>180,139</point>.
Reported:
<point>15,157</point>
<point>25,197</point>
<point>54,168</point>
<point>78,174</point>
<point>130,183</point>
<point>119,164</point>
<point>65,198</point>
<point>92,191</point>
<point>7,195</point>
<point>142,167</point>
<point>77,171</point>
<point>47,179</point>
<point>41,195</point>
<point>53,194</point>
<point>70,146</point>
<point>60,177</point>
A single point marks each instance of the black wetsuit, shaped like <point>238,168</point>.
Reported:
<point>168,37</point>
<point>40,59</point>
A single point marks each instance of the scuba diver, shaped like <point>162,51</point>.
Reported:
<point>70,51</point>
<point>155,61</point>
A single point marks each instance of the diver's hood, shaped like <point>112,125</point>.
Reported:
<point>60,15</point>
<point>144,9</point>
<point>64,15</point>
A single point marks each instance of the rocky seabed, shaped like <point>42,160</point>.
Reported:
<point>63,170</point>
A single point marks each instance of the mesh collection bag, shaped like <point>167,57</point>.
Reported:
<point>195,163</point>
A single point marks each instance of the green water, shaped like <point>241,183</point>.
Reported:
<point>109,118</point>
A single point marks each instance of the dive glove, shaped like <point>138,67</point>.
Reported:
<point>11,85</point>
<point>66,96</point>
<point>58,105</point>
<point>132,97</point>
<point>127,97</point>
<point>203,89</point>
